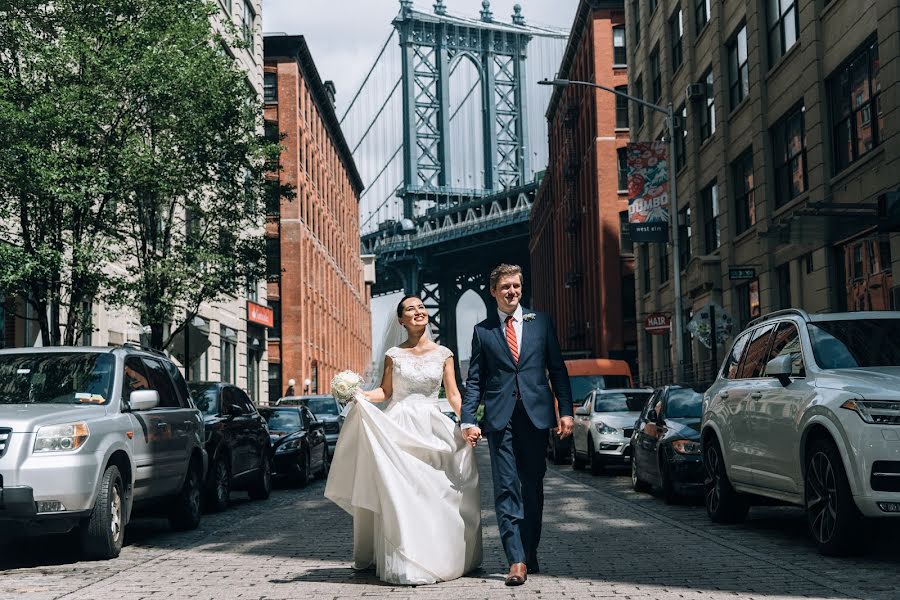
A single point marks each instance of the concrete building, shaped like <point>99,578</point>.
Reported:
<point>785,146</point>
<point>227,340</point>
<point>317,286</point>
<point>583,269</point>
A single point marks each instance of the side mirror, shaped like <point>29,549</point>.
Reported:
<point>780,368</point>
<point>582,412</point>
<point>143,400</point>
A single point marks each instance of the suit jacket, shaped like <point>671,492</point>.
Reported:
<point>496,379</point>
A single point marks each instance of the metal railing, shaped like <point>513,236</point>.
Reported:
<point>701,373</point>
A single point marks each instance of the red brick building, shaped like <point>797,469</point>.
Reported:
<point>316,283</point>
<point>583,271</point>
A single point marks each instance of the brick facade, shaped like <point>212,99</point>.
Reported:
<point>324,325</point>
<point>582,274</point>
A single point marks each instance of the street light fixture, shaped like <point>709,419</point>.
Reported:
<point>677,322</point>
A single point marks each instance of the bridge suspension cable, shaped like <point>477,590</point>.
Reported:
<point>369,74</point>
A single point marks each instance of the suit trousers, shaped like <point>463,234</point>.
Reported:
<point>518,465</point>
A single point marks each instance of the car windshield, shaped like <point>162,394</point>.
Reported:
<point>206,397</point>
<point>281,420</point>
<point>858,343</point>
<point>322,406</point>
<point>582,385</point>
<point>620,401</point>
<point>56,378</point>
<point>684,403</point>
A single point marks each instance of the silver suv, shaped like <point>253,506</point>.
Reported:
<point>806,410</point>
<point>88,433</point>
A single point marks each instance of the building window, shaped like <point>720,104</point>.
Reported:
<point>738,71</point>
<point>684,236</point>
<point>783,279</point>
<point>623,169</point>
<point>884,255</point>
<point>228,354</point>
<point>676,33</point>
<point>854,93</point>
<point>712,236</point>
<point>270,87</point>
<point>681,138</point>
<point>701,14</point>
<point>663,262</point>
<point>622,109</point>
<point>744,201</point>
<point>639,93</point>
<point>784,25</point>
<point>747,302</point>
<point>789,148</point>
<point>636,16</point>
<point>619,56</point>
<point>708,116</point>
<point>645,268</point>
<point>275,329</point>
<point>626,246</point>
<point>655,75</point>
<point>248,16</point>
<point>648,357</point>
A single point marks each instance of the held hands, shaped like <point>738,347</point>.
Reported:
<point>472,435</point>
<point>565,426</point>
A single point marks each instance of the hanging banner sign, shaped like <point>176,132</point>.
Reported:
<point>648,192</point>
<point>657,324</point>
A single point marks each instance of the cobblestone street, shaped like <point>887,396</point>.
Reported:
<point>601,540</point>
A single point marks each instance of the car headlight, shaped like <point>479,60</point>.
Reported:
<point>605,429</point>
<point>686,447</point>
<point>292,445</point>
<point>61,438</point>
<point>878,412</point>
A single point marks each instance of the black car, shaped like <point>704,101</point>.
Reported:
<point>665,445</point>
<point>298,442</point>
<point>237,441</point>
<point>327,411</point>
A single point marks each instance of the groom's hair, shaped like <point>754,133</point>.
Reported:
<point>502,271</point>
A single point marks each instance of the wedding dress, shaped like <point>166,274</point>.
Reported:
<point>409,480</point>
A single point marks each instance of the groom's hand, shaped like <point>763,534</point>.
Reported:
<point>472,435</point>
<point>564,428</point>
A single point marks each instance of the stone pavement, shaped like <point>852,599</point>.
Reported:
<point>601,540</point>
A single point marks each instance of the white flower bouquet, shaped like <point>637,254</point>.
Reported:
<point>345,386</point>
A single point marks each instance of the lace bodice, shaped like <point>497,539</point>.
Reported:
<point>417,378</point>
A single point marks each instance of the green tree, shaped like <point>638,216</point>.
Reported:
<point>133,159</point>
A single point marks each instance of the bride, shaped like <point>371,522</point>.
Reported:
<point>405,473</point>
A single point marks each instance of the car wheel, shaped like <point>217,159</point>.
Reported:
<point>723,503</point>
<point>326,462</point>
<point>594,459</point>
<point>185,513</point>
<point>218,491</point>
<point>103,532</point>
<point>637,484</point>
<point>670,496</point>
<point>833,518</point>
<point>262,486</point>
<point>577,463</point>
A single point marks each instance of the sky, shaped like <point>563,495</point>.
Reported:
<point>344,37</point>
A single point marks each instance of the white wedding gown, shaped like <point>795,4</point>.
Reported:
<point>409,480</point>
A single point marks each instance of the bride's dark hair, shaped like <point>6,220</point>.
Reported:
<point>404,299</point>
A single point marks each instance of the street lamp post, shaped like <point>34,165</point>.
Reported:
<point>677,322</point>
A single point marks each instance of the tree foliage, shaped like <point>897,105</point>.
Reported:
<point>131,160</point>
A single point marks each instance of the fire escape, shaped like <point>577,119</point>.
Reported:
<point>571,208</point>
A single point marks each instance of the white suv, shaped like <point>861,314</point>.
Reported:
<point>806,410</point>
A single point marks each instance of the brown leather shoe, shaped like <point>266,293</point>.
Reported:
<point>517,574</point>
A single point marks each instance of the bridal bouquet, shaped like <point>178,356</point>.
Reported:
<point>345,386</point>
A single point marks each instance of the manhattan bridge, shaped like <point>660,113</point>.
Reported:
<point>449,134</point>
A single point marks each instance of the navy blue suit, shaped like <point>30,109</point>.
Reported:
<point>518,414</point>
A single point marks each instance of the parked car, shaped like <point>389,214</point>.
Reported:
<point>87,435</point>
<point>447,410</point>
<point>806,410</point>
<point>665,446</point>
<point>298,442</point>
<point>237,442</point>
<point>326,409</point>
<point>586,375</point>
<point>603,426</point>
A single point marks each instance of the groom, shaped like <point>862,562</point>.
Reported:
<point>513,350</point>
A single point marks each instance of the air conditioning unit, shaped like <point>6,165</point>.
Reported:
<point>695,91</point>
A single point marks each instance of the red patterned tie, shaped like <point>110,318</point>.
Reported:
<point>511,338</point>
